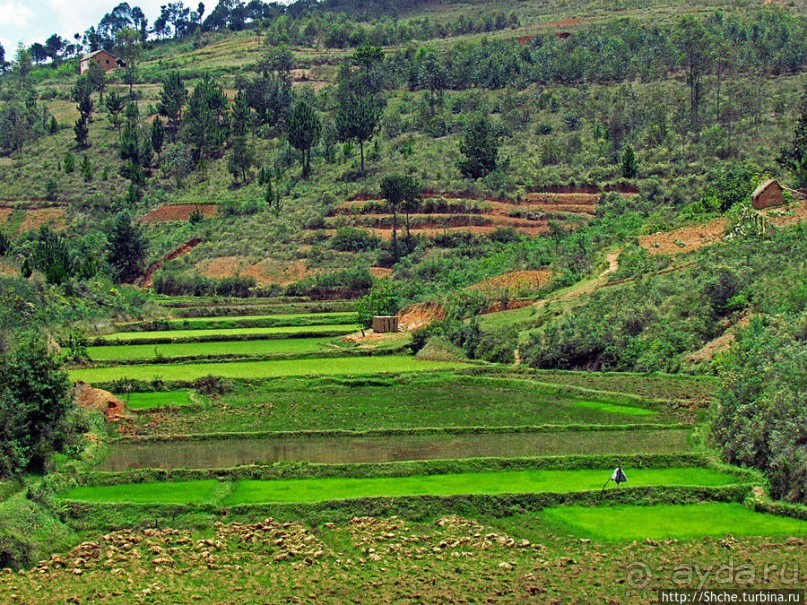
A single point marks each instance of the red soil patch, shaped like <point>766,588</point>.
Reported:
<point>103,401</point>
<point>267,271</point>
<point>684,239</point>
<point>694,237</point>
<point>223,266</point>
<point>515,281</point>
<point>178,212</point>
<point>380,272</point>
<point>34,219</point>
<point>420,315</point>
<point>148,277</point>
<point>498,306</point>
<point>785,217</point>
<point>271,271</point>
<point>4,214</point>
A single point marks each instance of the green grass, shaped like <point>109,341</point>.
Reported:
<point>323,490</point>
<point>234,348</point>
<point>266,321</point>
<point>157,400</point>
<point>444,399</point>
<point>613,409</point>
<point>336,366</point>
<point>223,334</point>
<point>626,523</point>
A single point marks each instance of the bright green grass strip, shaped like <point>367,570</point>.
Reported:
<point>321,490</point>
<point>225,332</point>
<point>309,319</point>
<point>150,401</point>
<point>244,348</point>
<point>627,523</point>
<point>613,409</point>
<point>197,492</point>
<point>335,366</point>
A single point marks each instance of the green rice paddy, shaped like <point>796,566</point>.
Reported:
<point>231,333</point>
<point>323,490</point>
<point>241,348</point>
<point>336,366</point>
<point>275,320</point>
<point>156,400</point>
<point>664,521</point>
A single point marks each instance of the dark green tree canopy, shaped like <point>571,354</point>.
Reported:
<point>35,406</point>
<point>480,146</point>
<point>126,248</point>
<point>358,116</point>
<point>206,124</point>
<point>305,129</point>
<point>173,98</point>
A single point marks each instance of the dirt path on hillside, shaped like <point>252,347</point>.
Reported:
<point>148,277</point>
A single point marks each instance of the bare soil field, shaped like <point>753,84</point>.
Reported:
<point>178,212</point>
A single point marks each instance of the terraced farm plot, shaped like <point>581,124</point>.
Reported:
<point>664,521</point>
<point>444,400</point>
<point>263,321</point>
<point>198,350</point>
<point>323,490</point>
<point>156,400</point>
<point>336,366</point>
<point>230,452</point>
<point>229,334</point>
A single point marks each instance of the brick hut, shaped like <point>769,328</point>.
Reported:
<point>105,59</point>
<point>768,194</point>
<point>385,323</point>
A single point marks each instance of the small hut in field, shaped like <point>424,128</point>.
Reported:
<point>385,323</point>
<point>106,60</point>
<point>768,194</point>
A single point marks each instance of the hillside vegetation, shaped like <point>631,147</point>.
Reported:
<point>554,199</point>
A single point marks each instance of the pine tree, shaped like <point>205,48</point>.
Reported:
<point>82,131</point>
<point>114,105</point>
<point>629,164</point>
<point>242,158</point>
<point>173,98</point>
<point>304,131</point>
<point>480,146</point>
<point>401,192</point>
<point>126,248</point>
<point>157,135</point>
<point>86,169</point>
<point>206,122</point>
<point>130,144</point>
<point>358,116</point>
<point>242,114</point>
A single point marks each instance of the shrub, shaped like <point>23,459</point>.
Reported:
<point>352,239</point>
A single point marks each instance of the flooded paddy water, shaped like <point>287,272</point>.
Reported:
<point>224,453</point>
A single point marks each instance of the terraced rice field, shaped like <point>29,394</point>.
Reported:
<point>322,490</point>
<point>664,522</point>
<point>370,448</point>
<point>228,333</point>
<point>326,441</point>
<point>197,350</point>
<point>254,370</point>
<point>264,321</point>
